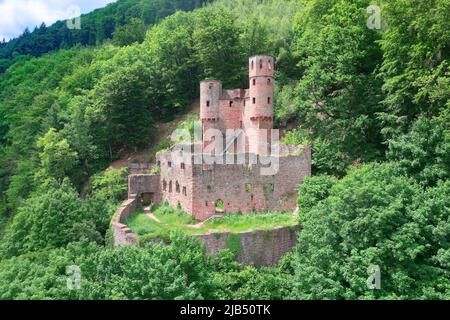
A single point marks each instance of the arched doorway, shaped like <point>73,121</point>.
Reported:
<point>220,206</point>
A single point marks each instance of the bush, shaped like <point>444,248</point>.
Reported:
<point>54,217</point>
<point>424,152</point>
<point>375,216</point>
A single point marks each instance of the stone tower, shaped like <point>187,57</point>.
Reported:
<point>250,110</point>
<point>210,93</point>
<point>259,105</point>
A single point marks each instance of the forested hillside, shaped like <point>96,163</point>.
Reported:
<point>374,105</point>
<point>123,21</point>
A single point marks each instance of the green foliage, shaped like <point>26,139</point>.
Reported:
<point>286,105</point>
<point>130,33</point>
<point>171,48</point>
<point>111,184</point>
<point>250,283</point>
<point>297,136</point>
<point>352,92</point>
<point>176,271</point>
<point>22,183</point>
<point>121,104</point>
<point>57,158</point>
<point>313,190</point>
<point>375,216</point>
<point>54,217</point>
<point>338,93</point>
<point>415,67</point>
<point>218,48</point>
<point>424,152</point>
<point>155,170</point>
<point>233,243</point>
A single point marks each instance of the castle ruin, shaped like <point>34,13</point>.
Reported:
<point>244,117</point>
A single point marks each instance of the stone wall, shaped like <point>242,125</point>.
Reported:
<point>121,233</point>
<point>258,248</point>
<point>242,188</point>
<point>144,186</point>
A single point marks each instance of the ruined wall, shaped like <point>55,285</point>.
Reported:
<point>242,188</point>
<point>121,233</point>
<point>173,174</point>
<point>145,186</point>
<point>258,248</point>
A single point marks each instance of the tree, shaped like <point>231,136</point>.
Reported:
<point>423,153</point>
<point>122,114</point>
<point>158,272</point>
<point>53,217</point>
<point>219,50</point>
<point>132,32</point>
<point>415,68</point>
<point>57,158</point>
<point>170,45</point>
<point>338,94</point>
<point>111,184</point>
<point>375,216</point>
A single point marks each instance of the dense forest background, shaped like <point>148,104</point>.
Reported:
<point>373,103</point>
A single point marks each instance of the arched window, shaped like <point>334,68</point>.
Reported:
<point>253,64</point>
<point>270,64</point>
<point>170,186</point>
<point>164,185</point>
<point>208,103</point>
<point>268,100</point>
<point>254,100</point>
<point>231,104</point>
<point>254,82</point>
<point>220,206</point>
<point>261,64</point>
<point>269,82</point>
<point>177,187</point>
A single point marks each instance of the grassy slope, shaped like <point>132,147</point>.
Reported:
<point>177,220</point>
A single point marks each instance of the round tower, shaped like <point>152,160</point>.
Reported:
<point>210,92</point>
<point>261,75</point>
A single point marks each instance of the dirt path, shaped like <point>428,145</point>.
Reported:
<point>151,215</point>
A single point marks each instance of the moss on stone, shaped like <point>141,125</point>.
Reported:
<point>234,244</point>
<point>267,235</point>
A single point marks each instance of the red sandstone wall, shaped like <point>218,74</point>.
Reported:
<point>121,233</point>
<point>258,248</point>
<point>139,184</point>
<point>244,189</point>
<point>173,174</point>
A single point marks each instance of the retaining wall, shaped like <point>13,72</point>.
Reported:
<point>121,233</point>
<point>258,248</point>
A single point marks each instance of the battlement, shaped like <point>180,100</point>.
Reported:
<point>245,172</point>
<point>244,109</point>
